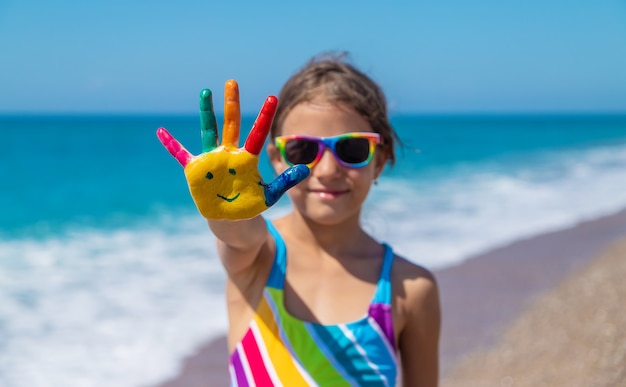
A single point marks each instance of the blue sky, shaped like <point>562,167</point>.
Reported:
<point>430,56</point>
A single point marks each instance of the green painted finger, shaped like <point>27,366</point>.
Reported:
<point>208,123</point>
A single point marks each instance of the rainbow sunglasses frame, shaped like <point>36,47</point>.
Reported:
<point>331,143</point>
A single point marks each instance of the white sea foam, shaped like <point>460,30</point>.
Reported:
<point>107,309</point>
<point>441,223</point>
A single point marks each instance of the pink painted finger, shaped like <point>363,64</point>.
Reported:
<point>175,148</point>
<point>261,127</point>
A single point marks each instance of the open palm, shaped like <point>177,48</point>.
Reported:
<point>224,180</point>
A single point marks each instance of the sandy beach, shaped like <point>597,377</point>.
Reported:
<point>546,310</point>
<point>572,335</point>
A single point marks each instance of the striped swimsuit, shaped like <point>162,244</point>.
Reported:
<point>281,350</point>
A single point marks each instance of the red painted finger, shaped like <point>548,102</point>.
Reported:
<point>262,126</point>
<point>174,147</point>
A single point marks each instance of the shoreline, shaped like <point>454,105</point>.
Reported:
<point>480,297</point>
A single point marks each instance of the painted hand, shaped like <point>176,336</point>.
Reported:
<point>224,181</point>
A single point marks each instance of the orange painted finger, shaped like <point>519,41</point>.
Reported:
<point>232,114</point>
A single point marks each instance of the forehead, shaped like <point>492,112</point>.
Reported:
<point>323,119</point>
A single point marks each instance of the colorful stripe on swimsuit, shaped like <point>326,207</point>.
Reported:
<point>281,350</point>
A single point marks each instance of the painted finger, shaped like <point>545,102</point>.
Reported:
<point>208,124</point>
<point>232,114</point>
<point>175,148</point>
<point>284,181</point>
<point>262,126</point>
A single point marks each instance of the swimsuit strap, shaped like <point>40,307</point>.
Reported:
<point>380,308</point>
<point>383,288</point>
<point>276,279</point>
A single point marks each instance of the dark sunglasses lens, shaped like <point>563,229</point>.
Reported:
<point>353,150</point>
<point>301,151</point>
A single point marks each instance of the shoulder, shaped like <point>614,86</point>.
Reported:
<point>416,293</point>
<point>414,280</point>
<point>417,319</point>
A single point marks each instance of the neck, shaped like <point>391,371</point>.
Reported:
<point>347,236</point>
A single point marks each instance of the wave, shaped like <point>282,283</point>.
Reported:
<point>107,308</point>
<point>441,222</point>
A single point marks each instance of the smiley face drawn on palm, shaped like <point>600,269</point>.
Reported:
<point>224,180</point>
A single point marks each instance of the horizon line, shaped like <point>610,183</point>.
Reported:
<point>391,115</point>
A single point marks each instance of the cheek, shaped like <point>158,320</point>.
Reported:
<point>276,160</point>
<point>297,194</point>
<point>364,176</point>
<point>279,167</point>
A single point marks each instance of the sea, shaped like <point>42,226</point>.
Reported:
<point>109,276</point>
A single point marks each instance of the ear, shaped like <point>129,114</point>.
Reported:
<point>275,158</point>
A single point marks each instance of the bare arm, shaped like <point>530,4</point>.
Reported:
<point>419,340</point>
<point>239,242</point>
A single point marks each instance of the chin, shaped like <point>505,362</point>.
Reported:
<point>325,211</point>
<point>328,216</point>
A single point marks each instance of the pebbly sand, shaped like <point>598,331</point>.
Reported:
<point>544,311</point>
<point>572,335</point>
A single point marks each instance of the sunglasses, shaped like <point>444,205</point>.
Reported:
<point>352,150</point>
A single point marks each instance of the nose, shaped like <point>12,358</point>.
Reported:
<point>327,165</point>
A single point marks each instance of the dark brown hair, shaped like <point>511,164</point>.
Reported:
<point>332,78</point>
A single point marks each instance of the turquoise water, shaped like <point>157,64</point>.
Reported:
<point>59,172</point>
<point>103,256</point>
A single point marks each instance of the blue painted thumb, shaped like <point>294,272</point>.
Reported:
<point>292,176</point>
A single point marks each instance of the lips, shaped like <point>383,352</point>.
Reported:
<point>326,193</point>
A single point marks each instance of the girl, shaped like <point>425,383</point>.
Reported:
<point>312,298</point>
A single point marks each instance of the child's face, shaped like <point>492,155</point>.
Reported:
<point>333,193</point>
